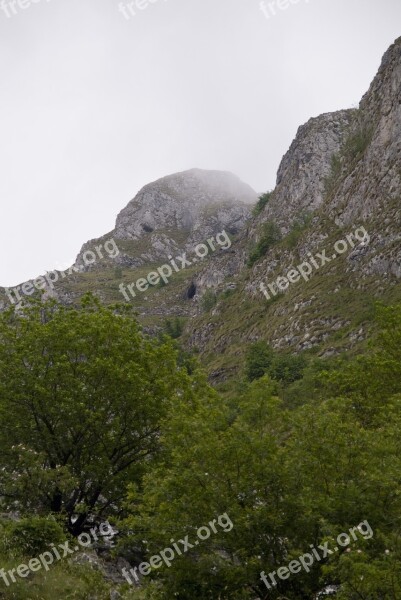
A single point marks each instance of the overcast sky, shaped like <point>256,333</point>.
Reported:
<point>94,105</point>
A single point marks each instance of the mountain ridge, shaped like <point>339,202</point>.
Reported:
<point>342,171</point>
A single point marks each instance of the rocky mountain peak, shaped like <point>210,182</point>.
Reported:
<point>304,168</point>
<point>176,213</point>
<point>181,201</point>
<point>369,181</point>
<point>384,90</point>
<point>343,170</point>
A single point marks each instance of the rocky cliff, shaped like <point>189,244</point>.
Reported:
<point>177,212</point>
<point>342,172</point>
<point>301,175</point>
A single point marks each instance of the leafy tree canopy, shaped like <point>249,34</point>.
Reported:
<point>82,393</point>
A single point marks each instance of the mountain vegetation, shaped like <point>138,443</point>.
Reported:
<point>201,399</point>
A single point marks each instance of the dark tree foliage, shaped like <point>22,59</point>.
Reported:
<point>82,396</point>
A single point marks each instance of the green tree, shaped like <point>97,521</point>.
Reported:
<point>261,359</point>
<point>216,460</point>
<point>287,368</point>
<point>288,479</point>
<point>258,359</point>
<point>82,396</point>
<point>175,327</point>
<point>373,379</point>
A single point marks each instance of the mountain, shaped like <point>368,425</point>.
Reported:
<point>341,175</point>
<point>177,212</point>
<point>342,171</point>
<point>167,218</point>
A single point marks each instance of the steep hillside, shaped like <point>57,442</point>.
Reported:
<point>343,171</point>
<point>168,218</point>
<point>341,175</point>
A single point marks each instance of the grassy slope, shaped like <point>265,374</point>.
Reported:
<point>332,306</point>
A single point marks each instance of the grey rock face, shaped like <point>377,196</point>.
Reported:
<point>300,189</point>
<point>186,201</point>
<point>302,172</point>
<point>368,186</point>
<point>364,189</point>
<point>370,189</point>
<point>179,211</point>
<point>173,214</point>
<point>373,183</point>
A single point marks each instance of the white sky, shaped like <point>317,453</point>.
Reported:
<point>94,106</point>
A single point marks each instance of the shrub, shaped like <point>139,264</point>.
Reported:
<point>287,368</point>
<point>258,359</point>
<point>64,580</point>
<point>33,535</point>
<point>352,150</point>
<point>302,223</point>
<point>228,292</point>
<point>261,360</point>
<point>335,172</point>
<point>358,142</point>
<point>270,236</point>
<point>261,203</point>
<point>208,300</point>
<point>175,327</point>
